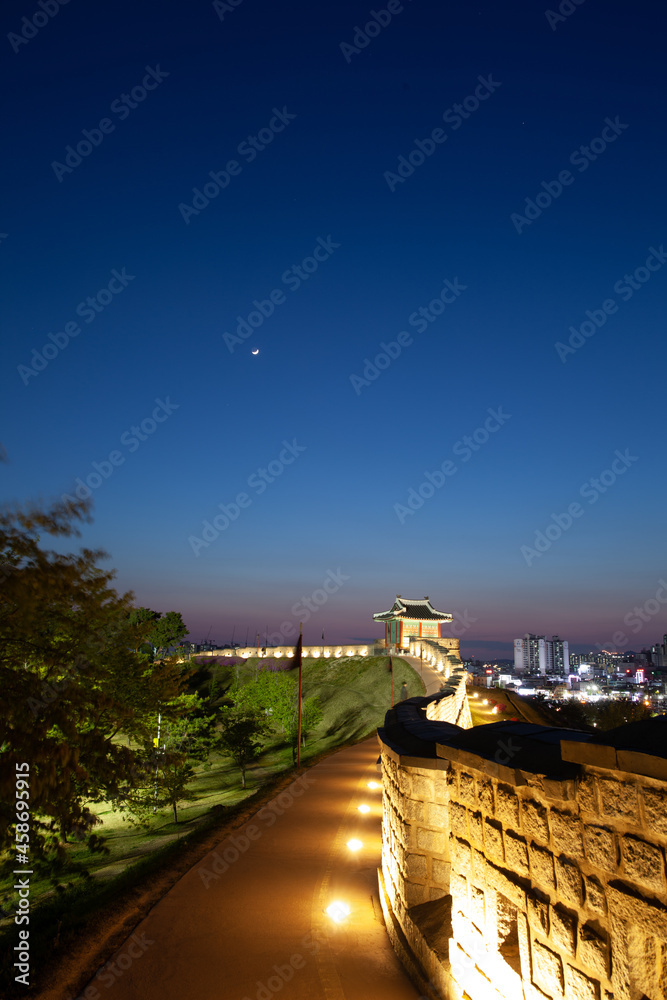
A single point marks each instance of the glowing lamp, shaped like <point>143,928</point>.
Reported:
<point>373,784</point>
<point>338,911</point>
<point>363,808</point>
<point>354,844</point>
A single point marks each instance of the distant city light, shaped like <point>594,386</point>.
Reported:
<point>373,784</point>
<point>354,844</point>
<point>363,808</point>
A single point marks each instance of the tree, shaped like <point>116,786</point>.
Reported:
<point>242,734</point>
<point>155,632</point>
<point>311,716</point>
<point>70,680</point>
<point>169,765</point>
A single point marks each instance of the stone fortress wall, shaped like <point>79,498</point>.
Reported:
<point>521,862</point>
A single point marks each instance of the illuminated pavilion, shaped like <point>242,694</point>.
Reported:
<point>410,620</point>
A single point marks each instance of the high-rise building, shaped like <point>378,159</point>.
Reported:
<point>535,654</point>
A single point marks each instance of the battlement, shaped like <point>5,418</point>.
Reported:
<point>524,861</point>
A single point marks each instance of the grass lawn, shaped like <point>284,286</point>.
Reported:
<point>354,693</point>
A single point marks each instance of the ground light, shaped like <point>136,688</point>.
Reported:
<point>354,844</point>
<point>363,808</point>
<point>338,911</point>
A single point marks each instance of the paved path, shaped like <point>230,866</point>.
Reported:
<point>247,922</point>
<point>432,678</point>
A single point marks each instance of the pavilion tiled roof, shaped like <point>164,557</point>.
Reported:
<point>419,609</point>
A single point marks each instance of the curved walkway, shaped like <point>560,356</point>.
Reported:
<point>248,921</point>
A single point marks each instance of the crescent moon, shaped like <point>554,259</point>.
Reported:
<point>256,351</point>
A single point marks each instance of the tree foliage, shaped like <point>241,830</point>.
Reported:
<point>155,632</point>
<point>71,683</point>
<point>243,731</point>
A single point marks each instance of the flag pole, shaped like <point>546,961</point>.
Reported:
<point>391,671</point>
<point>300,649</point>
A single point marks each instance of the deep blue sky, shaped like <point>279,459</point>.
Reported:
<point>323,176</point>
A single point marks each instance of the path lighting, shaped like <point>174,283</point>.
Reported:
<point>363,808</point>
<point>354,844</point>
<point>338,911</point>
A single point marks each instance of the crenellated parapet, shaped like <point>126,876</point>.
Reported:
<point>523,861</point>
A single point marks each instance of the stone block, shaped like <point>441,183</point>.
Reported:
<point>458,885</point>
<point>601,848</point>
<point>619,799</point>
<point>479,866</point>
<point>595,898</point>
<point>415,867</point>
<point>437,815</point>
<point>414,810</point>
<point>538,914</point>
<point>507,807</point>
<point>423,788</point>
<point>587,794</point>
<point>588,753</point>
<point>594,951</point>
<point>563,930</point>
<point>477,908</point>
<point>475,827</point>
<point>485,794</point>
<point>566,833</point>
<point>467,789</point>
<point>535,825</point>
<point>414,894</point>
<point>431,841</point>
<point>458,819</point>
<point>655,810</point>
<point>579,986</point>
<point>440,873</point>
<point>569,882</point>
<point>542,867</point>
<point>547,970</point>
<point>516,854</point>
<point>462,857</point>
<point>404,781</point>
<point>441,790</point>
<point>493,841</point>
<point>644,862</point>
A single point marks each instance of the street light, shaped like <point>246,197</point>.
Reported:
<point>338,911</point>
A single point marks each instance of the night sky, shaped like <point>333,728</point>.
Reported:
<point>504,164</point>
